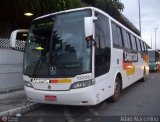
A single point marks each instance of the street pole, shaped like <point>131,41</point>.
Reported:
<point>155,37</point>
<point>151,41</point>
<point>139,5</point>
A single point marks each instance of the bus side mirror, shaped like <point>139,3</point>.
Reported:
<point>13,40</point>
<point>18,39</point>
<point>88,28</point>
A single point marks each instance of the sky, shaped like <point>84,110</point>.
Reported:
<point>150,19</point>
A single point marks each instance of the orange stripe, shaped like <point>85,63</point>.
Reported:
<point>129,68</point>
<point>127,65</point>
<point>64,81</point>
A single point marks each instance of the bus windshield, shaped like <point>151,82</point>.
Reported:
<point>56,46</point>
<point>152,56</point>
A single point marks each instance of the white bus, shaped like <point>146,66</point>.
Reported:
<point>81,57</point>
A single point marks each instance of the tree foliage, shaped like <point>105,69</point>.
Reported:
<point>113,8</point>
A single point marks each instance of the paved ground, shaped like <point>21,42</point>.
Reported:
<point>15,103</point>
<point>11,101</point>
<point>140,99</point>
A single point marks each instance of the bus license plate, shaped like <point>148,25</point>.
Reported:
<point>50,98</point>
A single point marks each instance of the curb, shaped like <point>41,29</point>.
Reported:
<point>12,94</point>
<point>20,110</point>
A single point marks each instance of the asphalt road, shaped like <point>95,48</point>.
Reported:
<point>140,99</point>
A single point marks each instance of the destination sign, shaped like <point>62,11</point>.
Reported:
<point>43,23</point>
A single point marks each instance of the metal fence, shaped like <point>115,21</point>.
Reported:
<point>11,65</point>
<point>20,45</point>
<point>4,43</point>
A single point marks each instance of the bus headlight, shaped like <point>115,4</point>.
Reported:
<point>82,84</point>
<point>28,84</point>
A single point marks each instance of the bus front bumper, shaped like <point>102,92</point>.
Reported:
<point>82,96</point>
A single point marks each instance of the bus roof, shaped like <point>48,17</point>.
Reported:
<point>96,9</point>
<point>65,11</point>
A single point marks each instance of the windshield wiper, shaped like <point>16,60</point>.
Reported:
<point>38,64</point>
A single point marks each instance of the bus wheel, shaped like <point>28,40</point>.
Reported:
<point>144,75</point>
<point>117,90</point>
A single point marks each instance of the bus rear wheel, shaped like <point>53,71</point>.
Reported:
<point>117,90</point>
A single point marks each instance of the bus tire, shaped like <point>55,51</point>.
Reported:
<point>144,76</point>
<point>117,90</point>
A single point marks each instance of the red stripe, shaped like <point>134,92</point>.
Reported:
<point>54,81</point>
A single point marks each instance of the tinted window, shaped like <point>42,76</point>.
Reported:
<point>145,46</point>
<point>115,35</point>
<point>119,32</point>
<point>142,46</point>
<point>129,41</point>
<point>138,45</point>
<point>102,48</point>
<point>53,42</point>
<point>126,39</point>
<point>133,42</point>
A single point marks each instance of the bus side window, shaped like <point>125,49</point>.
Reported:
<point>142,46</point>
<point>126,39</point>
<point>133,42</point>
<point>119,32</point>
<point>100,55</point>
<point>117,36</point>
<point>102,48</point>
<point>138,45</point>
<point>145,48</point>
<point>129,41</point>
